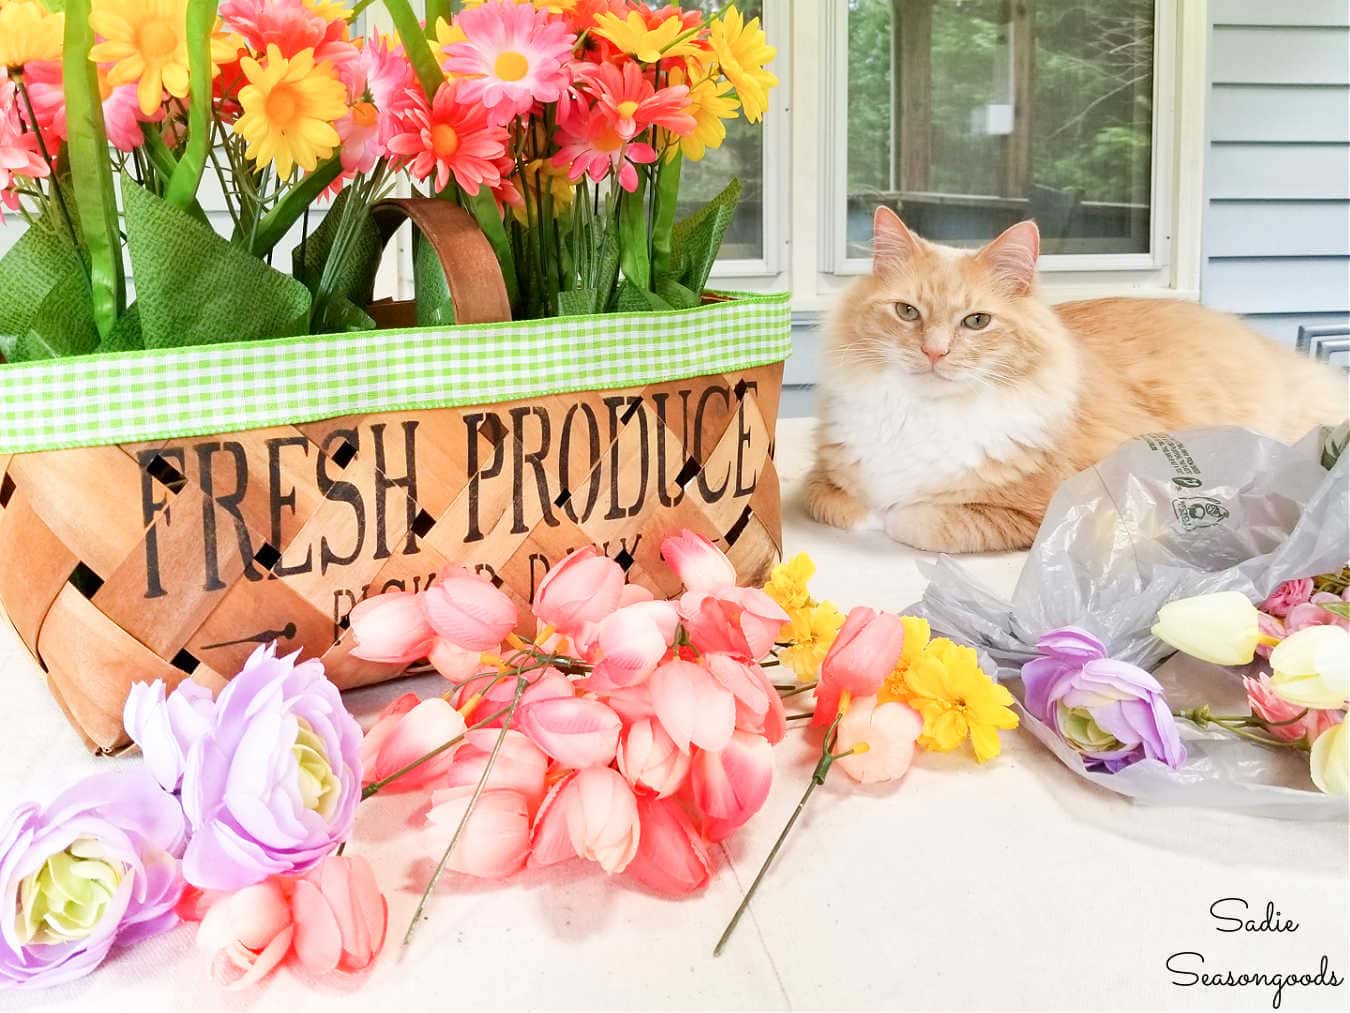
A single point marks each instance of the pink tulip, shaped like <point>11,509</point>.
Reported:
<point>1286,596</point>
<point>340,916</point>
<point>632,703</point>
<point>468,611</point>
<point>631,643</point>
<point>634,594</point>
<point>692,706</point>
<point>762,618</point>
<point>759,708</point>
<point>1278,715</point>
<point>406,730</point>
<point>672,858</point>
<point>700,565</point>
<point>648,758</point>
<point>583,588</point>
<point>888,730</point>
<point>1312,613</point>
<point>731,785</point>
<point>455,664</point>
<point>576,731</point>
<point>496,838</point>
<point>249,932</point>
<point>862,655</point>
<point>520,767</point>
<point>714,625</point>
<point>496,693</point>
<point>593,814</point>
<point>391,628</point>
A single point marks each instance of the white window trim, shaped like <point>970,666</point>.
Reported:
<point>818,267</point>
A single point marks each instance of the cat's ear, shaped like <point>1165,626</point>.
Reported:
<point>1012,256</point>
<point>892,242</point>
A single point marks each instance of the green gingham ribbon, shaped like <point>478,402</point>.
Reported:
<point>132,397</point>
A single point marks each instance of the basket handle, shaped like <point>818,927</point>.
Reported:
<point>477,287</point>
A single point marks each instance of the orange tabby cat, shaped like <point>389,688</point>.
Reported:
<point>955,400</point>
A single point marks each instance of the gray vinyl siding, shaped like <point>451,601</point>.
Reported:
<point>1277,172</point>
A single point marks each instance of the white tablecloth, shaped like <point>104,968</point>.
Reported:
<point>1013,885</point>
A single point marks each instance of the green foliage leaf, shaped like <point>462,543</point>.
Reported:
<point>196,288</point>
<point>697,239</point>
<point>633,257</point>
<point>355,277</point>
<point>63,323</point>
<point>31,268</point>
<point>1340,608</point>
<point>578,302</point>
<point>432,291</point>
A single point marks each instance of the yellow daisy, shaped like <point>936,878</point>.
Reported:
<point>917,635</point>
<point>650,45</point>
<point>709,104</point>
<point>552,6</point>
<point>551,180</point>
<point>742,53</point>
<point>957,700</point>
<point>787,583</point>
<point>145,42</point>
<point>289,109</point>
<point>447,34</point>
<point>329,10</point>
<point>29,32</point>
<point>811,632</point>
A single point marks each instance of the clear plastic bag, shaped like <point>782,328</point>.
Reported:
<point>1168,516</point>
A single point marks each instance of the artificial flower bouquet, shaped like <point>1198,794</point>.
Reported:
<point>1115,714</point>
<point>1180,630</point>
<point>560,127</point>
<point>629,732</point>
<point>245,454</point>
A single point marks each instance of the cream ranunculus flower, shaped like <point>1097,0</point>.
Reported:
<point>885,732</point>
<point>1219,628</point>
<point>1330,761</point>
<point>1312,668</point>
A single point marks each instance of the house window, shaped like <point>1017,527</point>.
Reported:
<point>969,115</point>
<point>741,156</point>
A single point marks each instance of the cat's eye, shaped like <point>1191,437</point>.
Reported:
<point>906,312</point>
<point>976,321</point>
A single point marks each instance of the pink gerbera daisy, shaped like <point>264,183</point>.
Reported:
<point>18,147</point>
<point>512,57</point>
<point>122,115</point>
<point>633,104</point>
<point>451,137</point>
<point>591,146</point>
<point>291,26</point>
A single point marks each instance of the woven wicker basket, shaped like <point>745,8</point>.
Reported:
<point>167,551</point>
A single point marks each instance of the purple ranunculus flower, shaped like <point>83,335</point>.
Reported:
<point>97,866</point>
<point>1112,712</point>
<point>166,728</point>
<point>271,785</point>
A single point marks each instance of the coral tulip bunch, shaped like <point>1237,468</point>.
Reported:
<point>629,732</point>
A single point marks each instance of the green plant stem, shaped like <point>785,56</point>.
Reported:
<point>1238,723</point>
<point>468,811</point>
<point>182,188</point>
<point>51,162</point>
<point>91,170</point>
<point>375,787</point>
<point>273,226</point>
<point>827,758</point>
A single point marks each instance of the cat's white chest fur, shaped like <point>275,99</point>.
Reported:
<point>908,447</point>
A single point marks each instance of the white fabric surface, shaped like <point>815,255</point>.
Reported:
<point>1013,885</point>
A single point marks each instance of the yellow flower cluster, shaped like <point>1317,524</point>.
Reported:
<point>28,32</point>
<point>941,680</point>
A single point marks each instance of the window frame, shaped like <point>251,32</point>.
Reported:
<point>775,172</point>
<point>1172,265</point>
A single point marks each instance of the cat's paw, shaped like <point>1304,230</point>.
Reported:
<point>910,525</point>
<point>873,520</point>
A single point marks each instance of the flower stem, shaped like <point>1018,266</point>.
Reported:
<point>51,162</point>
<point>798,689</point>
<point>376,786</point>
<point>818,776</point>
<point>468,811</point>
